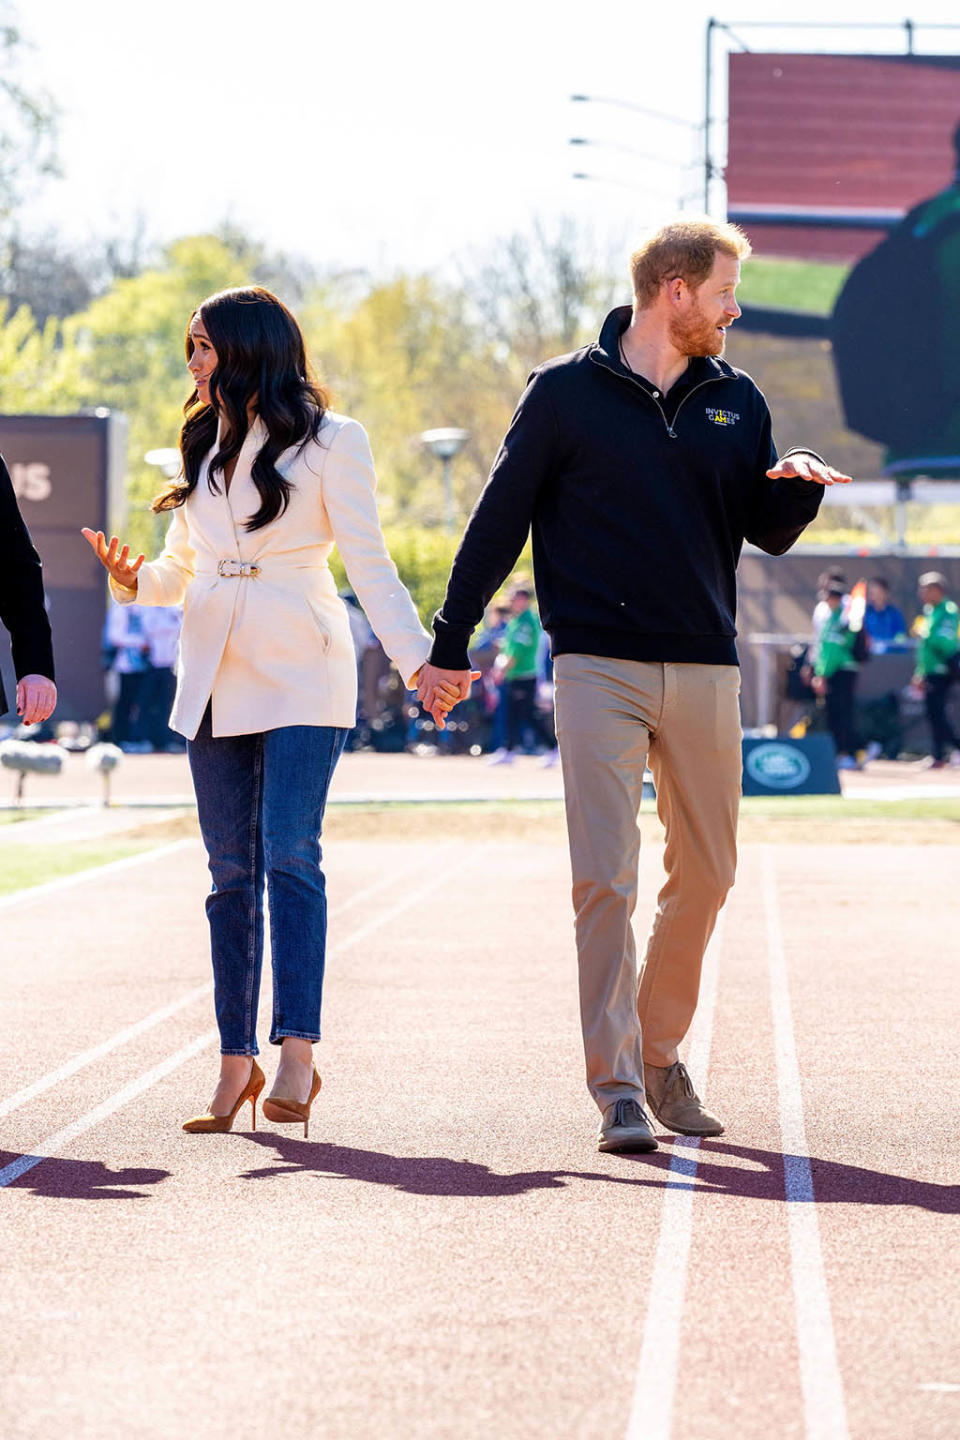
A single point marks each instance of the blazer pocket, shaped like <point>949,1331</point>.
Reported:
<point>321,626</point>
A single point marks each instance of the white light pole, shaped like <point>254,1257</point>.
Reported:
<point>167,460</point>
<point>445,444</point>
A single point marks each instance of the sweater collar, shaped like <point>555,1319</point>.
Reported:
<point>606,352</point>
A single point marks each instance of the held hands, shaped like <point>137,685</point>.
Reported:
<point>117,564</point>
<point>439,690</point>
<point>803,466</point>
<point>36,699</point>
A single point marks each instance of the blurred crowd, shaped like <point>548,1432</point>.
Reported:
<point>853,626</point>
<point>138,650</point>
<point>510,711</point>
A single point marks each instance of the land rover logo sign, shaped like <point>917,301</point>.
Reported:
<point>780,767</point>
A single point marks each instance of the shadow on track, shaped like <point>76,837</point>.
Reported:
<point>415,1175</point>
<point>81,1179</point>
<point>760,1179</point>
<point>833,1182</point>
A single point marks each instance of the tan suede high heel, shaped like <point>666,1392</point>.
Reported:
<point>220,1124</point>
<point>292,1112</point>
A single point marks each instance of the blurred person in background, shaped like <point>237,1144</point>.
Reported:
<point>484,650</point>
<point>362,636</point>
<point>266,693</point>
<point>883,621</point>
<point>517,671</point>
<point>835,673</point>
<point>938,654</point>
<point>821,614</point>
<point>125,652</point>
<point>641,463</point>
<point>163,624</point>
<point>23,612</point>
<point>546,698</point>
<point>821,610</point>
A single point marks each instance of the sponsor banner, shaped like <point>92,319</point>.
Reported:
<point>790,767</point>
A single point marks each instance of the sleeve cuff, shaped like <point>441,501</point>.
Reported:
<point>410,661</point>
<point>803,450</point>
<point>122,595</point>
<point>450,652</point>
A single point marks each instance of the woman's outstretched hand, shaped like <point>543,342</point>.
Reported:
<point>114,559</point>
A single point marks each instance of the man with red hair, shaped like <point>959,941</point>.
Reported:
<point>642,463</point>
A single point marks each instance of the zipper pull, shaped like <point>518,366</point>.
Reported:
<point>671,432</point>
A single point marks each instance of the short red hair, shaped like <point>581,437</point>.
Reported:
<point>686,249</point>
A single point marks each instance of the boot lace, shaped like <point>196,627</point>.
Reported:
<point>628,1112</point>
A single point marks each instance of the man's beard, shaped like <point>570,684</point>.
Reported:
<point>694,334</point>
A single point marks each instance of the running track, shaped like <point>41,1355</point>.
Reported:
<point>449,1256</point>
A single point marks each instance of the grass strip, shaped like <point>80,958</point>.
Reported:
<point>37,865</point>
<point>808,819</point>
<point>17,817</point>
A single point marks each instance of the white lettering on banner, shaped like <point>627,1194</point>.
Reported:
<point>31,482</point>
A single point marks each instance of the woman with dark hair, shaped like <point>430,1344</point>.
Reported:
<point>266,692</point>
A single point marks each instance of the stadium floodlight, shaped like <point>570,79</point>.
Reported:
<point>446,443</point>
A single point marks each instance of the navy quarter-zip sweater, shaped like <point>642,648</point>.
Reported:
<point>639,505</point>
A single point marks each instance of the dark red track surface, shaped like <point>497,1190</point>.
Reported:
<point>449,1255</point>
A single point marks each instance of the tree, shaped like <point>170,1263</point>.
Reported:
<point>126,351</point>
<point>404,358</point>
<point>28,123</point>
<point>57,279</point>
<point>414,353</point>
<point>539,294</point>
<point>46,278</point>
<point>29,363</point>
<point>290,277</point>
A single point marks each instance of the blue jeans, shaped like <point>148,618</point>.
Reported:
<point>260,800</point>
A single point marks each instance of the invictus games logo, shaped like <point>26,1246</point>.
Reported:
<point>722,417</point>
<point>778,766</point>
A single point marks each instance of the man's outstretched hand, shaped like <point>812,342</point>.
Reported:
<point>36,699</point>
<point>439,690</point>
<point>807,467</point>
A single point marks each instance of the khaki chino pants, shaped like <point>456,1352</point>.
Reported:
<point>613,717</point>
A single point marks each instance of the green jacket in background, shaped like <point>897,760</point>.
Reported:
<point>835,649</point>
<point>939,640</point>
<point>521,644</point>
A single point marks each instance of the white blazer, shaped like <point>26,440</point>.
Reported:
<point>274,648</point>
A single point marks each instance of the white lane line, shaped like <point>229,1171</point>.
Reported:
<point>393,878</point>
<point>131,1032</point>
<point>54,1144</point>
<point>823,1400</point>
<point>411,899</point>
<point>88,1057</point>
<point>651,1414</point>
<point>93,872</point>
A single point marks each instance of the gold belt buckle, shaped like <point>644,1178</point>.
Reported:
<point>237,569</point>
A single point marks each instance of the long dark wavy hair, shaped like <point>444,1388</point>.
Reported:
<point>261,358</point>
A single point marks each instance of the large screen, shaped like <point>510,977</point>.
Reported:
<point>825,152</point>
